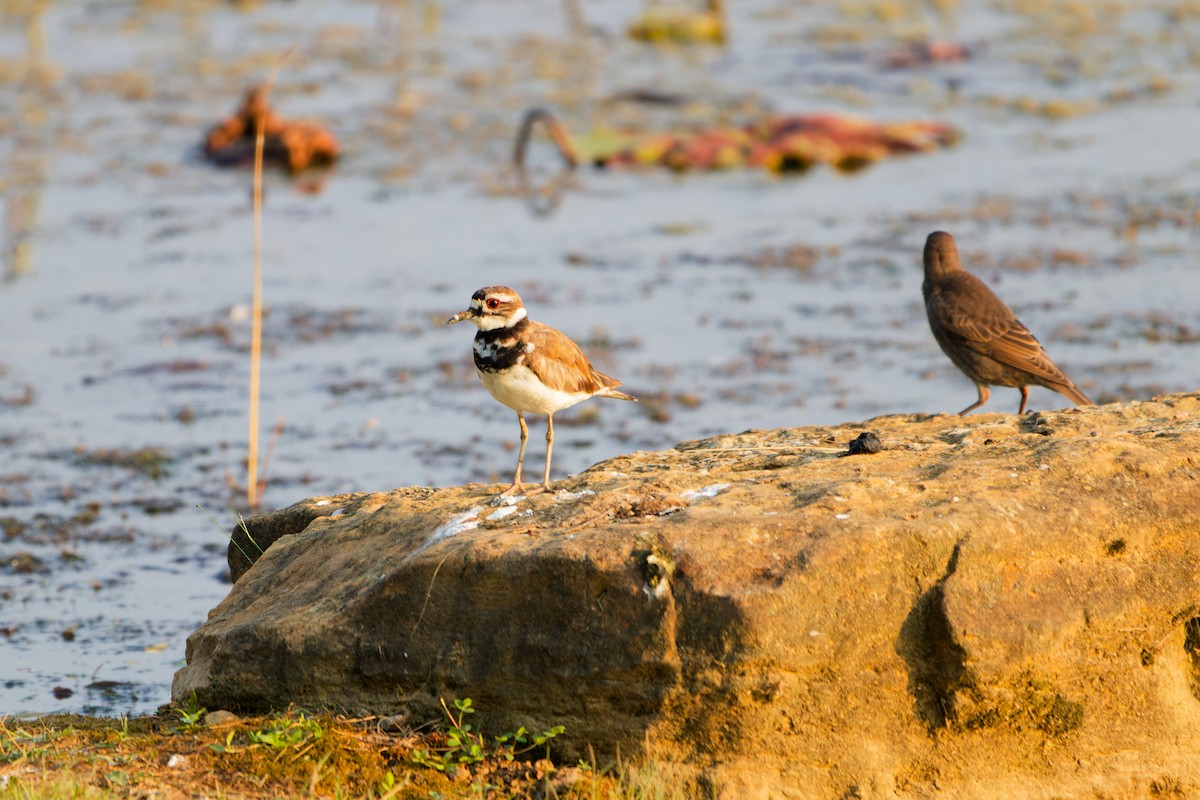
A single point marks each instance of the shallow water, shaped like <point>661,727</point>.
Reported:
<point>124,302</point>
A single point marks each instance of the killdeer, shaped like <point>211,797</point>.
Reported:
<point>529,367</point>
<point>980,334</point>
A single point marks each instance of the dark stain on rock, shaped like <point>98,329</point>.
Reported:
<point>936,670</point>
<point>1191,646</point>
<point>776,574</point>
<point>1059,716</point>
<point>1035,423</point>
<point>251,537</point>
<point>651,505</point>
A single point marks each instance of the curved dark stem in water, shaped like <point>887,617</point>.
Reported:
<point>558,135</point>
<point>543,200</point>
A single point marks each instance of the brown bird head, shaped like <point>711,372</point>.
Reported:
<point>493,307</point>
<point>941,255</point>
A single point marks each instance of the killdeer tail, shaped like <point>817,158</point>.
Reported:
<point>615,394</point>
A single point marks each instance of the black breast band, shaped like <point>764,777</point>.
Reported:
<point>500,349</point>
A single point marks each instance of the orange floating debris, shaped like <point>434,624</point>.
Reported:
<point>296,145</point>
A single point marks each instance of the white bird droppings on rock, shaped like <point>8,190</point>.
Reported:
<point>465,521</point>
<point>457,524</point>
<point>712,490</point>
<point>574,495</point>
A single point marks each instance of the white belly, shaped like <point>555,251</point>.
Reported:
<point>520,390</point>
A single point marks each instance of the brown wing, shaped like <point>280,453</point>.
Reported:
<point>559,363</point>
<point>969,313</point>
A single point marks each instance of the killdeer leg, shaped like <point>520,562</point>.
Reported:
<point>1024,399</point>
<point>549,447</point>
<point>516,484</point>
<point>984,394</point>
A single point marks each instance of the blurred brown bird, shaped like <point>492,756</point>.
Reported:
<point>979,332</point>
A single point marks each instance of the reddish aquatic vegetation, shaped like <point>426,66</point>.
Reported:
<point>845,142</point>
<point>296,145</point>
<point>919,54</point>
<point>780,143</point>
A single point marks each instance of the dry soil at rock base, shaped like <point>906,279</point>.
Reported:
<point>992,606</point>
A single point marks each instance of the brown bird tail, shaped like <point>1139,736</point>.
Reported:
<point>1074,395</point>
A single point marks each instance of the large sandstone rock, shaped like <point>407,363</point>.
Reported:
<point>990,607</point>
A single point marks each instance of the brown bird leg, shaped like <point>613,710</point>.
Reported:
<point>984,394</point>
<point>1024,399</point>
<point>549,447</point>
<point>516,484</point>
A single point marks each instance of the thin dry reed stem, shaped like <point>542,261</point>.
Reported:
<point>253,497</point>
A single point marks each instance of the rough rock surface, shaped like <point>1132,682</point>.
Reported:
<point>990,607</point>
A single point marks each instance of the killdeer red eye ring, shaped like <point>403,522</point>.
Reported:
<point>493,303</point>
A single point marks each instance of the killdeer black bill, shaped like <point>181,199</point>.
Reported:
<point>529,367</point>
<point>980,334</point>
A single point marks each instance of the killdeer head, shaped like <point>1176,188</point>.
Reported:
<point>493,307</point>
